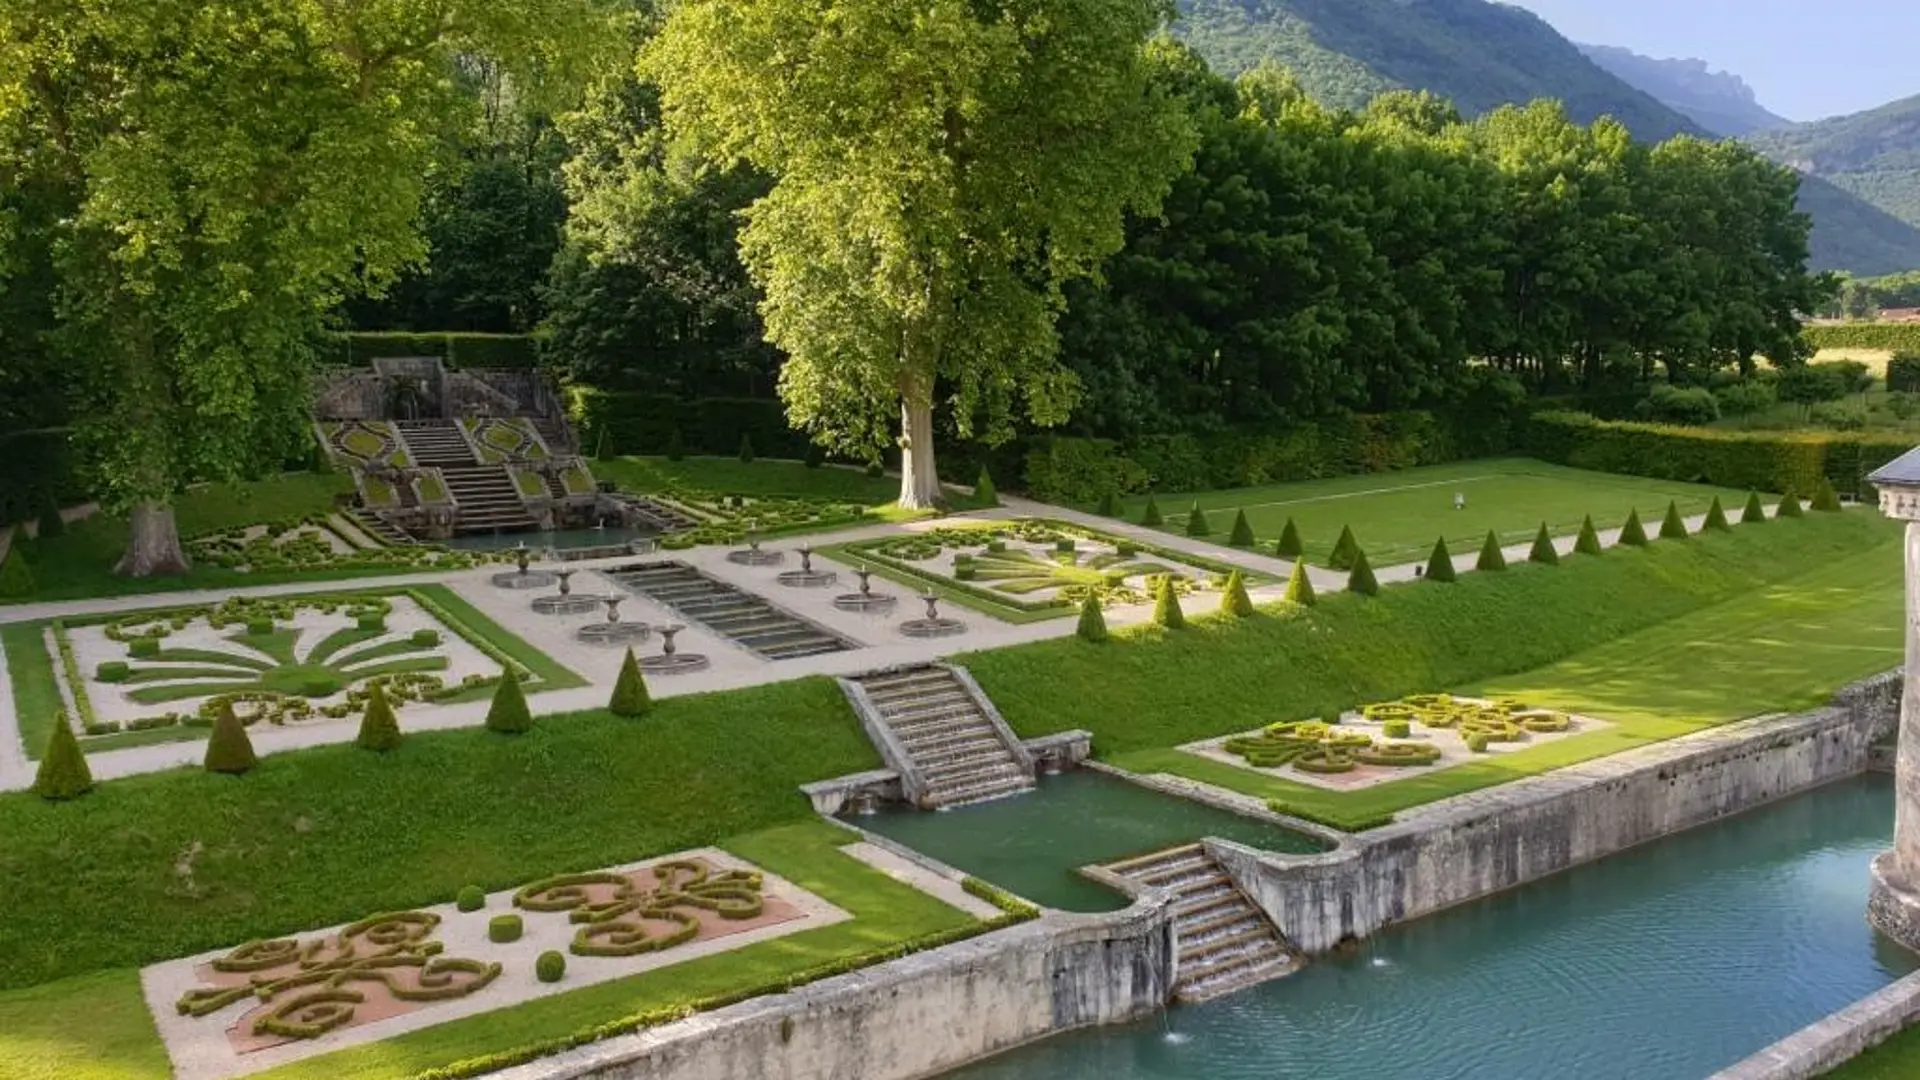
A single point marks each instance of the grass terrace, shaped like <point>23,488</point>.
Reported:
<point>1397,516</point>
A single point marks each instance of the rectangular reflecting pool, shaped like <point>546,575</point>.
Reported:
<point>1667,962</point>
<point>1032,844</point>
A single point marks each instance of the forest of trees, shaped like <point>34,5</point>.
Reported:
<point>1225,254</point>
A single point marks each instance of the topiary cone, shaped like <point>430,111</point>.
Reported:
<point>16,577</point>
<point>1166,607</point>
<point>1491,557</point>
<point>1361,580</point>
<point>63,767</point>
<point>379,728</point>
<point>1440,563</point>
<point>1588,542</point>
<point>1151,517</point>
<point>746,449</point>
<point>1790,506</point>
<point>1673,526</point>
<point>1242,534</point>
<point>229,748</point>
<point>1197,525</point>
<point>1543,549</point>
<point>508,714</point>
<point>1633,534</point>
<point>1344,550</point>
<point>1755,512</point>
<point>1093,621</point>
<point>1235,601</point>
<point>1717,517</point>
<point>1825,499</point>
<point>1300,587</point>
<point>983,492</point>
<point>630,696</point>
<point>1289,546</point>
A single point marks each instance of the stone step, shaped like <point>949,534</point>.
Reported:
<point>964,756</point>
<point>935,743</point>
<point>1145,864</point>
<point>1184,879</point>
<point>917,690</point>
<point>1205,899</point>
<point>1226,928</point>
<point>953,779</point>
<point>1234,974</point>
<point>893,679</point>
<point>935,723</point>
<point>1158,872</point>
<point>921,709</point>
<point>980,793</point>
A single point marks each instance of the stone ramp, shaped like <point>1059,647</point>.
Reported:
<point>739,616</point>
<point>1222,941</point>
<point>936,728</point>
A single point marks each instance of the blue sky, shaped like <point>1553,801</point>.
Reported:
<point>1805,59</point>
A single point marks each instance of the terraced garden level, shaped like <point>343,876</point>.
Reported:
<point>731,612</point>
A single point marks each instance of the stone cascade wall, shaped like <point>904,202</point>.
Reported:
<point>350,395</point>
<point>1474,845</point>
<point>914,1017</point>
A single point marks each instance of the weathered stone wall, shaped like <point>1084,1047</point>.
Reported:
<point>352,395</point>
<point>1473,845</point>
<point>914,1017</point>
<point>1823,1045</point>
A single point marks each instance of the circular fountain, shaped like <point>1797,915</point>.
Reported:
<point>934,625</point>
<point>565,602</point>
<point>866,600</point>
<point>670,662</point>
<point>807,577</point>
<point>523,578</point>
<point>752,555</point>
<point>613,631</point>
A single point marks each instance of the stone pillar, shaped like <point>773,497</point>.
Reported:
<point>1893,905</point>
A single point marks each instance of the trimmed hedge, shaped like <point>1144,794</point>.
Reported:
<point>1300,586</point>
<point>16,577</point>
<point>1673,526</point>
<point>1543,550</point>
<point>1755,512</point>
<point>458,350</point>
<point>1361,580</point>
<point>1235,601</point>
<point>1197,523</point>
<point>1790,505</point>
<point>1150,517</point>
<point>1166,607</point>
<point>630,696</point>
<point>379,728</point>
<point>63,768</point>
<point>1588,542</point>
<point>1893,337</point>
<point>230,749</point>
<point>550,967</point>
<point>508,713</point>
<point>470,898</point>
<point>1289,546</point>
<point>1903,372</point>
<point>505,929</point>
<point>1491,557</point>
<point>1093,621</point>
<point>1242,534</point>
<point>1345,550</point>
<point>1758,460</point>
<point>1825,499</point>
<point>1633,534</point>
<point>1717,517</point>
<point>613,422</point>
<point>1440,563</point>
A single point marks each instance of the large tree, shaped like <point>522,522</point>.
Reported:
<point>232,169</point>
<point>940,169</point>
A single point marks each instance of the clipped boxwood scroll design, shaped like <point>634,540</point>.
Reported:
<point>614,910</point>
<point>313,985</point>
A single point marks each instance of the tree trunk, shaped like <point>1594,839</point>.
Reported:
<point>919,484</point>
<point>154,546</point>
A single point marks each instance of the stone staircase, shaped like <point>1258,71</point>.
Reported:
<point>555,434</point>
<point>436,444</point>
<point>1224,942</point>
<point>488,500</point>
<point>660,516</point>
<point>376,527</point>
<point>961,755</point>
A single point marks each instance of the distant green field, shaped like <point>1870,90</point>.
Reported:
<point>1397,516</point>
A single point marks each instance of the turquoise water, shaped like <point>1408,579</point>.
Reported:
<point>1032,844</point>
<point>1667,962</point>
<point>541,541</point>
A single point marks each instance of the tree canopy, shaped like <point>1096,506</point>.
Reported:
<point>939,171</point>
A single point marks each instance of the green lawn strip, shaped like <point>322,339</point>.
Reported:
<point>1896,1059</point>
<point>342,638</point>
<point>327,835</point>
<point>922,581</point>
<point>212,656</point>
<point>355,657</point>
<point>96,1027</point>
<point>1397,516</point>
<point>277,643</point>
<point>1784,647</point>
<point>886,915</point>
<point>1152,688</point>
<point>140,675</point>
<point>36,693</point>
<point>763,477</point>
<point>489,636</point>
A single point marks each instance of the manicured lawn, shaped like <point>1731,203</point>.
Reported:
<point>36,696</point>
<point>80,562</point>
<point>730,476</point>
<point>1151,689</point>
<point>1397,516</point>
<point>170,864</point>
<point>36,1025</point>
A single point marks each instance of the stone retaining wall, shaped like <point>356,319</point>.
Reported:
<point>1824,1045</point>
<point>914,1017</point>
<point>1473,845</point>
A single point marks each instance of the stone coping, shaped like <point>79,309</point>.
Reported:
<point>1824,1044</point>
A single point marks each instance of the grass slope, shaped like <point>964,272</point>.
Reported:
<point>1896,1059</point>
<point>170,864</point>
<point>730,476</point>
<point>1151,690</point>
<point>1396,516</point>
<point>36,1024</point>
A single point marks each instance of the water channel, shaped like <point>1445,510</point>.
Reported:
<point>1033,844</point>
<point>540,542</point>
<point>1667,962</point>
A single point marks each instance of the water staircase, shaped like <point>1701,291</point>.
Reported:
<point>1223,941</point>
<point>488,500</point>
<point>935,728</point>
<point>733,613</point>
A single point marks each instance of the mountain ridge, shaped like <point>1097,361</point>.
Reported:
<point>1482,55</point>
<point>1718,101</point>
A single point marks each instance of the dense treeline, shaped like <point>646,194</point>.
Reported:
<point>1864,298</point>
